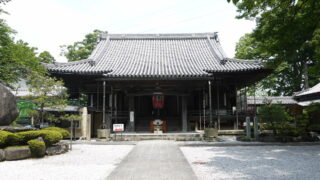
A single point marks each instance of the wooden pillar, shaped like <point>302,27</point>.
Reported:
<point>237,110</point>
<point>115,107</point>
<point>91,100</point>
<point>184,114</point>
<point>218,106</point>
<point>199,126</point>
<point>204,109</point>
<point>109,123</point>
<point>98,97</point>
<point>210,106</point>
<point>131,127</point>
<point>104,106</point>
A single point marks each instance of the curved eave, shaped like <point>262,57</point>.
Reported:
<point>78,72</point>
<point>235,70</point>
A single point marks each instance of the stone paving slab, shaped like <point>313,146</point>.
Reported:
<point>225,144</point>
<point>157,160</point>
<point>101,142</point>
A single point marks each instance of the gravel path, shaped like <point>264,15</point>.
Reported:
<point>255,162</point>
<point>83,162</point>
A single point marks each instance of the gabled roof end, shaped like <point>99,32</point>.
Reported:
<point>103,36</point>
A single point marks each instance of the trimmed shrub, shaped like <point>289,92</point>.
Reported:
<point>9,138</point>
<point>37,148</point>
<point>4,138</point>
<point>14,139</point>
<point>50,137</point>
<point>21,138</point>
<point>63,132</point>
<point>26,136</point>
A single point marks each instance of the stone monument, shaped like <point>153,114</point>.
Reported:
<point>8,107</point>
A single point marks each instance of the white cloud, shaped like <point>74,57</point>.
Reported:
<point>47,24</point>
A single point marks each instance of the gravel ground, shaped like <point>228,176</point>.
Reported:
<point>255,162</point>
<point>83,162</point>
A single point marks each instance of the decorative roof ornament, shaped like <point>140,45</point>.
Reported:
<point>223,61</point>
<point>216,37</point>
<point>92,62</point>
<point>102,37</point>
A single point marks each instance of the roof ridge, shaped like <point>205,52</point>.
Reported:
<point>57,64</point>
<point>246,61</point>
<point>161,35</point>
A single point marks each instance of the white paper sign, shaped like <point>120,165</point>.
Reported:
<point>118,127</point>
<point>131,116</point>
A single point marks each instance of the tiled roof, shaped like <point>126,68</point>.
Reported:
<point>157,55</point>
<point>315,89</point>
<point>260,100</point>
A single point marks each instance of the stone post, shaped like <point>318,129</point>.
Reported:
<point>248,128</point>
<point>255,127</point>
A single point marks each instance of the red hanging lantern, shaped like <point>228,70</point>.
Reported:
<point>158,100</point>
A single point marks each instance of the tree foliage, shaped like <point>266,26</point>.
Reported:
<point>46,92</point>
<point>288,36</point>
<point>71,117</point>
<point>313,113</point>
<point>82,49</point>
<point>17,59</point>
<point>46,57</point>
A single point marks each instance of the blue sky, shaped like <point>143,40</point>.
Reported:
<point>47,24</point>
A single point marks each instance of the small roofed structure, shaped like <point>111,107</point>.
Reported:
<point>190,73</point>
<point>308,96</point>
<point>261,100</point>
<point>288,102</point>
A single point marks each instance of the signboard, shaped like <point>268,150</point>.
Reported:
<point>131,116</point>
<point>118,127</point>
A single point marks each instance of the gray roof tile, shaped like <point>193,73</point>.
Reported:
<point>157,55</point>
<point>314,90</point>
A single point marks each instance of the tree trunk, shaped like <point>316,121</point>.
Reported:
<point>41,113</point>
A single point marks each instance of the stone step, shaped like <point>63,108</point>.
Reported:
<point>164,136</point>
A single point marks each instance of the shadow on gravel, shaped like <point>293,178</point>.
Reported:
<point>264,162</point>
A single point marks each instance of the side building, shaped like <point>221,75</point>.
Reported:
<point>185,80</point>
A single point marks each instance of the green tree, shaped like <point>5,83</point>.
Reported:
<point>287,34</point>
<point>17,59</point>
<point>274,114</point>
<point>46,57</point>
<point>82,49</point>
<point>281,81</point>
<point>46,92</point>
<point>313,113</point>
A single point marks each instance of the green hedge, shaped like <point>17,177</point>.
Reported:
<point>63,132</point>
<point>37,148</point>
<point>50,137</point>
<point>22,138</point>
<point>14,139</point>
<point>4,138</point>
<point>26,136</point>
